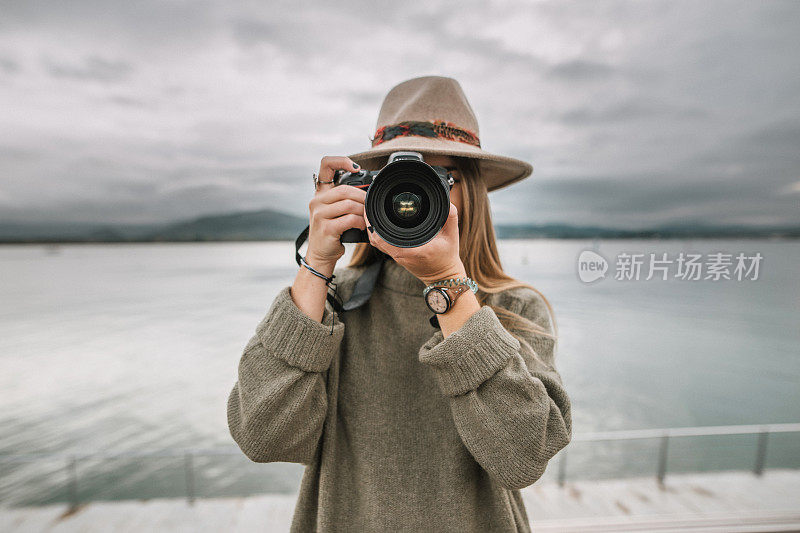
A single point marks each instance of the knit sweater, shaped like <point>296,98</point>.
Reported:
<point>399,428</point>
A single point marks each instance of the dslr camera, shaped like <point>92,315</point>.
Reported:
<point>407,201</point>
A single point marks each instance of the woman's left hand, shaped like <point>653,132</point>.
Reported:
<point>433,261</point>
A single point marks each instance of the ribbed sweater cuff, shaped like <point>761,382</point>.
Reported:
<point>471,355</point>
<point>296,338</point>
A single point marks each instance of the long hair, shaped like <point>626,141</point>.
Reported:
<point>478,250</point>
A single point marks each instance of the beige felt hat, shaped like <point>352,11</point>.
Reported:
<point>431,114</point>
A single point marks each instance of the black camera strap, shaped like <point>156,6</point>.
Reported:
<point>364,284</point>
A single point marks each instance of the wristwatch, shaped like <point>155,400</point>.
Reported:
<point>440,296</point>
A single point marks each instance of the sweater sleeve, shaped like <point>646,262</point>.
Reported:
<point>277,407</point>
<point>507,399</point>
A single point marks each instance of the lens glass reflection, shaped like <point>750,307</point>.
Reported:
<point>406,204</point>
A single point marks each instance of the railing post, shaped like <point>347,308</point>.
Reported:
<point>662,458</point>
<point>761,453</point>
<point>188,469</point>
<point>562,468</point>
<point>72,483</point>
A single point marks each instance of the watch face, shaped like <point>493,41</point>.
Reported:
<point>437,301</point>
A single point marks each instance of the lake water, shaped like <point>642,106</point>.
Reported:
<point>129,348</point>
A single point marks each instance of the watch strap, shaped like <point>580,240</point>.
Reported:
<point>455,291</point>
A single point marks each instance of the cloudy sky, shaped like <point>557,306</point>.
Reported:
<point>632,113</point>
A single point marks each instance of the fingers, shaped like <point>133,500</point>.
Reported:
<point>342,192</point>
<point>451,225</point>
<point>453,211</point>
<point>339,225</point>
<point>329,165</point>
<point>324,205</point>
<point>337,209</point>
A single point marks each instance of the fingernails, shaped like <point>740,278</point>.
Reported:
<point>355,165</point>
<point>371,229</point>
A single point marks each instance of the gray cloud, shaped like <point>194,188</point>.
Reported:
<point>581,70</point>
<point>90,68</point>
<point>8,65</point>
<point>633,109</point>
<point>632,113</point>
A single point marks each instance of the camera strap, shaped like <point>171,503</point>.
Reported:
<point>364,284</point>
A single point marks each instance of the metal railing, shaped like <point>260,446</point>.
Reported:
<point>71,464</point>
<point>762,432</point>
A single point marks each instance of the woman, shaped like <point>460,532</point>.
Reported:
<point>404,426</point>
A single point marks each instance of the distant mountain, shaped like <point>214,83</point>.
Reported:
<point>263,225</point>
<point>71,231</point>
<point>674,231</point>
<point>267,224</point>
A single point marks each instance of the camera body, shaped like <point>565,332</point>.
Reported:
<point>407,201</point>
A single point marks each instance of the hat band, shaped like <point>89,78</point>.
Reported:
<point>436,129</point>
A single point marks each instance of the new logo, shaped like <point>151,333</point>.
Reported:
<point>591,266</point>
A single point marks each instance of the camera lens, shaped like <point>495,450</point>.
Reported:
<point>408,203</point>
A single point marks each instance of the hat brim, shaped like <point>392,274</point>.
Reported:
<point>497,171</point>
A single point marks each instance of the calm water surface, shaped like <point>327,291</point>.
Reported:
<point>123,348</point>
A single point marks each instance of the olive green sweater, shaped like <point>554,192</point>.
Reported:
<point>401,429</point>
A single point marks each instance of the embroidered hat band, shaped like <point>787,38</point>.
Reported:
<point>422,128</point>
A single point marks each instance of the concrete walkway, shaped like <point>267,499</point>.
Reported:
<point>730,502</point>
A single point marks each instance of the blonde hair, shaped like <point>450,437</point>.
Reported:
<point>478,250</point>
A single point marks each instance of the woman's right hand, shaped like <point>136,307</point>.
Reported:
<point>332,210</point>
